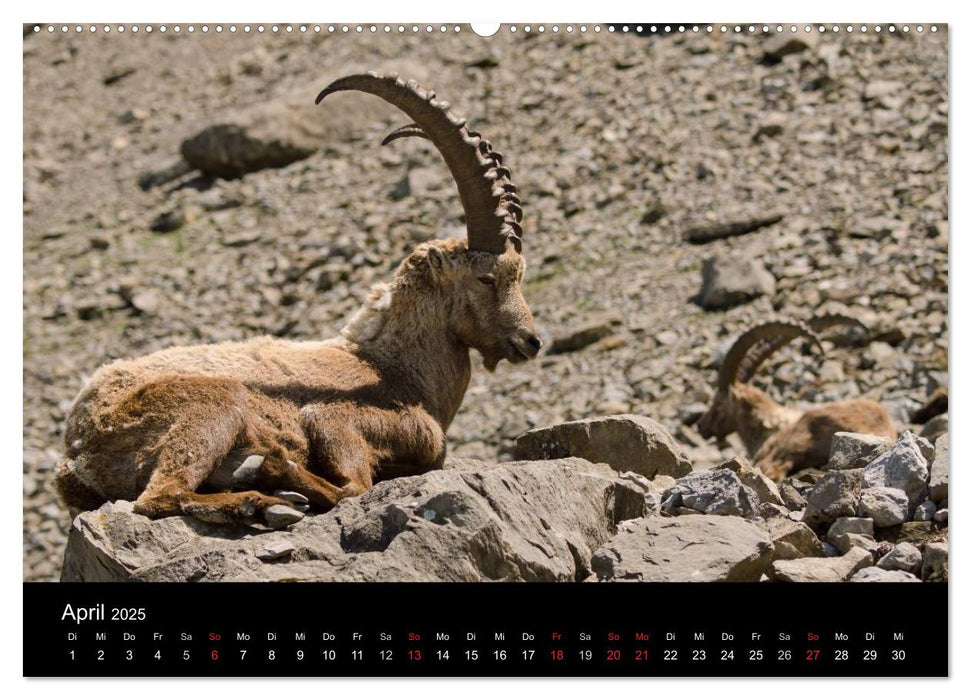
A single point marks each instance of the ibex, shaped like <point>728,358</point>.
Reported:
<point>780,439</point>
<point>183,430</point>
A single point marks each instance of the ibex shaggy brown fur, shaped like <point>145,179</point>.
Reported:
<point>780,439</point>
<point>181,431</point>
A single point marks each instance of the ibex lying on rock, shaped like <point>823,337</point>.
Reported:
<point>180,431</point>
<point>778,438</point>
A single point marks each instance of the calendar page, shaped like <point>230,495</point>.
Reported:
<point>604,349</point>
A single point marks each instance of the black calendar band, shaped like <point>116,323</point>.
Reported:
<point>555,629</point>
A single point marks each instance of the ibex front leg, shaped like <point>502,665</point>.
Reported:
<point>347,446</point>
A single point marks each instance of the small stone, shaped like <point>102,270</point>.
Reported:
<point>849,540</point>
<point>874,574</point>
<point>241,238</point>
<point>727,282</point>
<point>791,497</point>
<point>765,489</point>
<point>856,526</point>
<point>580,337</point>
<point>792,540</point>
<point>782,45</point>
<point>940,516</point>
<point>145,302</point>
<point>876,89</point>
<point>934,565</point>
<point>274,551</point>
<point>821,570</point>
<point>925,511</point>
<point>886,506</point>
<point>168,221</point>
<point>855,450</point>
<point>904,556</point>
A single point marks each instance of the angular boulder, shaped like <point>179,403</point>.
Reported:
<point>791,539</point>
<point>518,521</point>
<point>855,450</point>
<point>702,548</point>
<point>626,442</point>
<point>715,492</point>
<point>903,466</point>
<point>835,495</point>
<point>886,506</point>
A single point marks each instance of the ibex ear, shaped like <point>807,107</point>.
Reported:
<point>438,263</point>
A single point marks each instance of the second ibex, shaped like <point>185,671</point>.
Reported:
<point>298,424</point>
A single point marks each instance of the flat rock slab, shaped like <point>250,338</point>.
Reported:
<point>626,442</point>
<point>517,521</point>
<point>687,548</point>
<point>821,569</point>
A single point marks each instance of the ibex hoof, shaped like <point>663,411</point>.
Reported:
<point>292,496</point>
<point>248,470</point>
<point>281,516</point>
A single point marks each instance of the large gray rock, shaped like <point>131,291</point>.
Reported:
<point>940,470</point>
<point>626,442</point>
<point>726,282</point>
<point>519,521</point>
<point>903,467</point>
<point>855,450</point>
<point>821,570</point>
<point>715,492</point>
<point>835,495</point>
<point>686,548</point>
<point>886,506</point>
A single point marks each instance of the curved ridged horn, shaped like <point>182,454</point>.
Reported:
<point>402,132</point>
<point>481,184</point>
<point>738,365</point>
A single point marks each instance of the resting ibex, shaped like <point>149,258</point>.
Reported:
<point>180,431</point>
<point>781,439</point>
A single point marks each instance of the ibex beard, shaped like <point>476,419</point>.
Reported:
<point>261,431</point>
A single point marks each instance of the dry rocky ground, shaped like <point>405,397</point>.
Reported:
<point>814,170</point>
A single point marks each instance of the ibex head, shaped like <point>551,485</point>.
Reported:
<point>482,278</point>
<point>734,396</point>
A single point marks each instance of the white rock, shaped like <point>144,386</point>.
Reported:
<point>886,506</point>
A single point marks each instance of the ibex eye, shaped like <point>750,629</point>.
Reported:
<point>488,279</point>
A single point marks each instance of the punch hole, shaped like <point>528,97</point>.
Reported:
<point>484,29</point>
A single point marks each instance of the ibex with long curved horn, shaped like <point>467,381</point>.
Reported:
<point>258,431</point>
<point>780,439</point>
